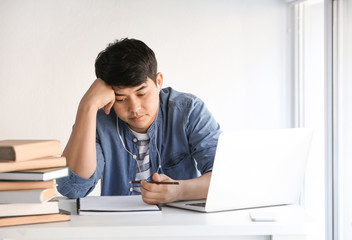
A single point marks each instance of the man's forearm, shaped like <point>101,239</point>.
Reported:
<point>196,188</point>
<point>80,150</point>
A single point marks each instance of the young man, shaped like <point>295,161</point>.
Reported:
<point>127,128</point>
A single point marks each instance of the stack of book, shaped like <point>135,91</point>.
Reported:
<point>28,170</point>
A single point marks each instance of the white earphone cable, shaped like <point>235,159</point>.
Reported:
<point>123,144</point>
<point>156,147</point>
<point>134,156</point>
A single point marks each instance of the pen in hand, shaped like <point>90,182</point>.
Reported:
<point>167,183</point>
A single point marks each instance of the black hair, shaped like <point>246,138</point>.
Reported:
<point>127,63</point>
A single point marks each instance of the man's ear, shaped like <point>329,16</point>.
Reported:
<point>159,80</point>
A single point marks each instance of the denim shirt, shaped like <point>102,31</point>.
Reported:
<point>184,132</point>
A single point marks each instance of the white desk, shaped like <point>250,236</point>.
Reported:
<point>172,223</point>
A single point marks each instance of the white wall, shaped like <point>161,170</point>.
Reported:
<point>232,54</point>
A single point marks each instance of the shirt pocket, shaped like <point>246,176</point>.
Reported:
<point>180,166</point>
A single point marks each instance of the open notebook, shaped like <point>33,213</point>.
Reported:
<point>110,205</point>
<point>255,169</point>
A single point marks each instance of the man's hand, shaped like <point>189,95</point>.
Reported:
<point>153,193</point>
<point>191,189</point>
<point>99,95</point>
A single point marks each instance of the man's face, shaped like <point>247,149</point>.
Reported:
<point>138,106</point>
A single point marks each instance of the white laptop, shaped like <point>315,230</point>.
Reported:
<point>255,168</point>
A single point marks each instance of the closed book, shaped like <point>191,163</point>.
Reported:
<point>36,174</point>
<point>23,209</point>
<point>27,196</point>
<point>39,163</point>
<point>23,150</point>
<point>26,185</point>
<point>32,219</point>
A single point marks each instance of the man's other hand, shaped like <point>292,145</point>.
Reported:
<point>153,193</point>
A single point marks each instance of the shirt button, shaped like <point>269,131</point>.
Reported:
<point>134,157</point>
<point>131,189</point>
<point>135,140</point>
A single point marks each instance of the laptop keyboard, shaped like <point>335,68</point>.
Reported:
<point>200,204</point>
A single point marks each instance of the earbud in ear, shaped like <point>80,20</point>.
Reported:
<point>158,86</point>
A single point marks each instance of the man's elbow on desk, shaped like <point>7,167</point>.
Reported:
<point>74,186</point>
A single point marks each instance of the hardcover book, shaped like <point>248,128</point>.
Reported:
<point>31,219</point>
<point>36,174</point>
<point>27,196</point>
<point>22,150</point>
<point>48,162</point>
<point>26,185</point>
<point>21,209</point>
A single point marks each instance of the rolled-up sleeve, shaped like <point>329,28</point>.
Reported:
<point>203,132</point>
<point>75,186</point>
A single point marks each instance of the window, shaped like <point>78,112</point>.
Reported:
<point>342,115</point>
<point>309,110</point>
<point>322,60</point>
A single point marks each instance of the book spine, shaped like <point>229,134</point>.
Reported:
<point>7,153</point>
<point>78,205</point>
